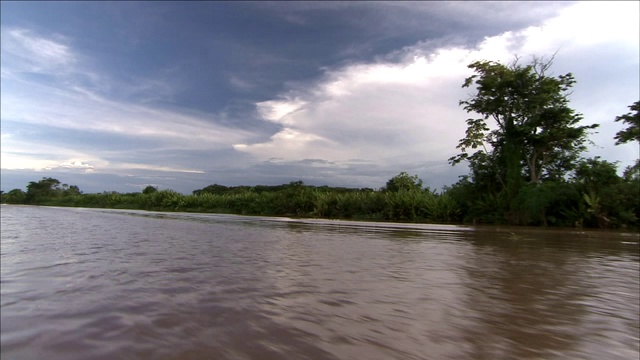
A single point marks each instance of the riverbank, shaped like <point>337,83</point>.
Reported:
<point>553,204</point>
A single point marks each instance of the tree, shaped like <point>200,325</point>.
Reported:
<point>15,196</point>
<point>45,188</point>
<point>212,189</point>
<point>632,132</point>
<point>149,190</point>
<point>632,172</point>
<point>72,190</point>
<point>536,133</point>
<point>594,174</point>
<point>404,181</point>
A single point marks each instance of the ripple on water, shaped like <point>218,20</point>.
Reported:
<point>102,284</point>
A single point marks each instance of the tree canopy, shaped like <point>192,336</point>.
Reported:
<point>149,189</point>
<point>533,133</point>
<point>404,181</point>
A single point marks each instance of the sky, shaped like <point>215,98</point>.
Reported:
<point>116,96</point>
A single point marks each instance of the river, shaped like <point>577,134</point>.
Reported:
<point>115,284</point>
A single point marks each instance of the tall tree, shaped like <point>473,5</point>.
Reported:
<point>535,132</point>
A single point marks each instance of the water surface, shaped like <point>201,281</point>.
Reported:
<point>106,284</point>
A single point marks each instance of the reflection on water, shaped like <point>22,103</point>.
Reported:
<point>104,284</point>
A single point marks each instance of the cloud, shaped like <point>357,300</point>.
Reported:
<point>67,96</point>
<point>406,111</point>
<point>279,111</point>
<point>357,124</point>
<point>25,51</point>
<point>77,164</point>
<point>134,166</point>
<point>302,144</point>
<point>38,155</point>
<point>241,84</point>
<point>20,155</point>
<point>91,116</point>
<point>79,108</point>
<point>376,112</point>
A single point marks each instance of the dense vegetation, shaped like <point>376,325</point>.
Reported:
<point>525,169</point>
<point>405,200</point>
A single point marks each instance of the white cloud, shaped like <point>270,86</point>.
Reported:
<point>18,154</point>
<point>135,166</point>
<point>25,161</point>
<point>298,142</point>
<point>24,51</point>
<point>278,111</point>
<point>66,103</point>
<point>39,162</point>
<point>407,111</point>
<point>76,164</point>
<point>81,109</point>
<point>28,155</point>
<point>369,111</point>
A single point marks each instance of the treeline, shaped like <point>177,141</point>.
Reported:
<point>403,199</point>
<point>594,196</point>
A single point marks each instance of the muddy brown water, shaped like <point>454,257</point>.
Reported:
<point>110,284</point>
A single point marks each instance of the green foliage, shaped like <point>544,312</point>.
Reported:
<point>440,208</point>
<point>490,208</point>
<point>632,119</point>
<point>596,197</point>
<point>536,133</point>
<point>605,194</point>
<point>45,191</point>
<point>15,196</point>
<point>621,204</point>
<point>404,181</point>
<point>518,165</point>
<point>42,190</point>
<point>632,173</point>
<point>212,189</point>
<point>594,173</point>
<point>547,203</point>
<point>403,205</point>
